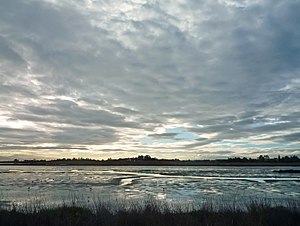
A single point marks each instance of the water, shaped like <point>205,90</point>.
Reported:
<point>178,184</point>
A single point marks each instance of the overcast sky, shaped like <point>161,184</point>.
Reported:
<point>188,79</point>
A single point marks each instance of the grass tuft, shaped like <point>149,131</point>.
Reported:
<point>151,212</point>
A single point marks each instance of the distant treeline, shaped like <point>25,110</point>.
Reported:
<point>264,158</point>
<point>148,160</point>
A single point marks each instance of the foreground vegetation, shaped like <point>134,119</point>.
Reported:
<point>151,213</point>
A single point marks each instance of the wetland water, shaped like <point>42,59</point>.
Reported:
<point>178,184</point>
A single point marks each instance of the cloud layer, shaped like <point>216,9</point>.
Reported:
<point>185,79</point>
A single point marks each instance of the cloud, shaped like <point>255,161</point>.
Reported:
<point>293,137</point>
<point>41,148</point>
<point>68,112</point>
<point>114,72</point>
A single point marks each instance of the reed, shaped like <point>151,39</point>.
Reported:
<point>151,212</point>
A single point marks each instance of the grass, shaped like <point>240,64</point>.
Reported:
<point>151,212</point>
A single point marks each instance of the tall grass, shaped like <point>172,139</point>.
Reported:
<point>150,212</point>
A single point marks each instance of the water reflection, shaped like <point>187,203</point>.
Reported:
<point>173,184</point>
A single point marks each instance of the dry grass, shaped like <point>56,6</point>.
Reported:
<point>151,212</point>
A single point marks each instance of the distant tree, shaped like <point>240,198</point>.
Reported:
<point>266,157</point>
<point>147,157</point>
<point>261,158</point>
<point>140,157</point>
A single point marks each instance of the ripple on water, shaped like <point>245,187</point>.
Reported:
<point>170,183</point>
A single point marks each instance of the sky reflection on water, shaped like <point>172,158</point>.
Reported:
<point>55,184</point>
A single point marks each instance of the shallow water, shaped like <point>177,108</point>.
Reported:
<point>178,184</point>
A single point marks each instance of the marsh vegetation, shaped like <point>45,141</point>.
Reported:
<point>151,212</point>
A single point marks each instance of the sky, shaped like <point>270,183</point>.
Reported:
<point>187,79</point>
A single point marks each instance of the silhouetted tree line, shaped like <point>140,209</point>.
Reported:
<point>264,158</point>
<point>148,159</point>
<point>142,158</point>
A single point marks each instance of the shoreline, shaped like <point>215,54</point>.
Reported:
<point>155,164</point>
<point>147,160</point>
